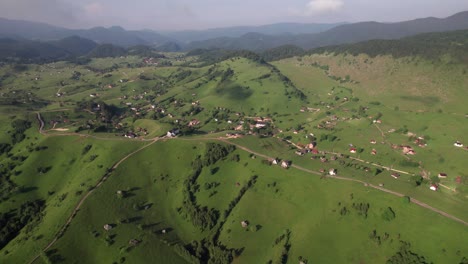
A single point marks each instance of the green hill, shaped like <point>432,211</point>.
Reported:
<point>130,158</point>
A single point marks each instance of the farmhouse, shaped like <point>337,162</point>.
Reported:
<point>285,164</point>
<point>434,187</point>
<point>408,150</point>
<point>332,172</point>
<point>374,152</point>
<point>353,150</point>
<point>442,175</point>
<point>458,144</point>
<point>194,122</point>
<point>275,161</point>
<point>373,141</point>
<point>300,152</point>
<point>245,223</point>
<point>173,132</point>
<point>107,227</point>
<point>395,175</point>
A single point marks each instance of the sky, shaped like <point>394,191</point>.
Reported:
<point>169,15</point>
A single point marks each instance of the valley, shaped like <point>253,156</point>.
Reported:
<point>227,158</point>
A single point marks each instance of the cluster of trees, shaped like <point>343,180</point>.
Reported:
<point>201,217</point>
<point>388,214</point>
<point>361,208</point>
<point>432,46</point>
<point>208,251</point>
<point>282,52</point>
<point>5,148</point>
<point>405,255</point>
<point>377,238</point>
<point>180,75</point>
<point>215,152</point>
<point>19,127</point>
<point>11,223</point>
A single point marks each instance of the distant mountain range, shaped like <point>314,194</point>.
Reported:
<point>233,32</point>
<point>348,33</point>
<point>261,38</point>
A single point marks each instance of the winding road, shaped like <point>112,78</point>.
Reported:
<point>222,139</point>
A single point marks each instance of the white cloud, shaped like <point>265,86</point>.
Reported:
<point>323,6</point>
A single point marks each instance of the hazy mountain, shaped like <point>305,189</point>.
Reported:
<point>349,33</point>
<point>272,29</point>
<point>39,51</point>
<point>114,35</point>
<point>75,45</point>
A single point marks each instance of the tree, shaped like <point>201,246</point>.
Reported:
<point>388,214</point>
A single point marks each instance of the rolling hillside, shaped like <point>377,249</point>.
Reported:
<point>219,156</point>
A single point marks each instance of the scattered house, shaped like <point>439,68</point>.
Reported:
<point>133,242</point>
<point>332,172</point>
<point>395,175</point>
<point>194,122</point>
<point>92,95</point>
<point>381,185</point>
<point>285,164</point>
<point>59,94</point>
<point>322,170</point>
<point>458,144</point>
<point>315,151</point>
<point>374,152</point>
<point>408,150</point>
<point>300,152</point>
<point>458,180</point>
<point>245,223</point>
<point>239,128</point>
<point>107,227</point>
<point>434,187</point>
<point>377,121</point>
<point>173,132</point>
<point>323,159</point>
<point>311,145</point>
<point>442,175</point>
<point>275,161</point>
<point>373,141</point>
<point>130,135</point>
<point>353,150</point>
<point>260,125</point>
<point>163,231</point>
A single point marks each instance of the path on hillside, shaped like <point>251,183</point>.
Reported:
<point>415,201</point>
<point>83,199</point>
<point>222,139</point>
<point>45,133</point>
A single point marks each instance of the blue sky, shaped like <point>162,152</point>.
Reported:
<point>199,14</point>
